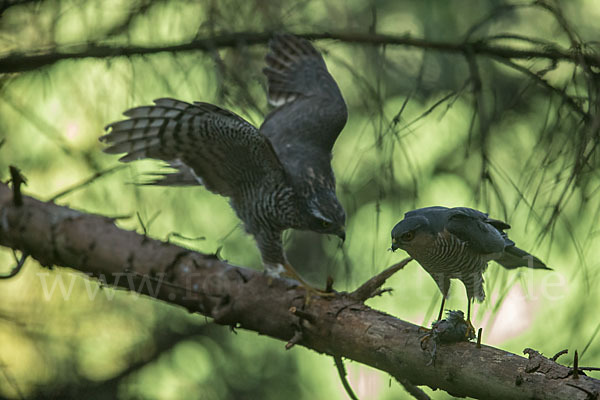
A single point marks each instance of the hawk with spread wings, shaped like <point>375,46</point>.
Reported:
<point>277,177</point>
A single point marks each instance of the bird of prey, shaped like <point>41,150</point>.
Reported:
<point>277,177</point>
<point>458,243</point>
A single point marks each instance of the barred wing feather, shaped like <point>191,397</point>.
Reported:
<point>205,143</point>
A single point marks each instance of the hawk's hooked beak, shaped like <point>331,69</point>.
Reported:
<point>394,245</point>
<point>342,235</point>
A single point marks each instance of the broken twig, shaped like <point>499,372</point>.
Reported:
<point>370,287</point>
<point>17,180</point>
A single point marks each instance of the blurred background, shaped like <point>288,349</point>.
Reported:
<point>515,138</point>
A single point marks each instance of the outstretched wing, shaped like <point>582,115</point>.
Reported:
<point>208,145</point>
<point>310,111</point>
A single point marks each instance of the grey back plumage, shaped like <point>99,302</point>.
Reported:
<point>458,243</point>
<point>474,227</point>
<point>483,234</point>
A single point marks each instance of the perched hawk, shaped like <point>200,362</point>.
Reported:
<point>277,177</point>
<point>458,243</point>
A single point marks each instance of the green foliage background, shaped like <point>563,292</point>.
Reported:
<point>394,155</point>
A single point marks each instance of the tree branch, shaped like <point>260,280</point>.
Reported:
<point>21,62</point>
<point>340,326</point>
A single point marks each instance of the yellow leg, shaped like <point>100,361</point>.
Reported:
<point>442,308</point>
<point>290,272</point>
<point>470,328</point>
<point>439,318</point>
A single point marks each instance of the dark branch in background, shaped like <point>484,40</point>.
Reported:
<point>21,62</point>
<point>341,326</point>
<point>140,11</point>
<point>542,82</point>
<point>6,4</point>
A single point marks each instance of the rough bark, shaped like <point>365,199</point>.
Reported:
<point>341,326</point>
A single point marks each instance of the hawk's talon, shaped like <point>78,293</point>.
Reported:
<point>470,333</point>
<point>289,272</point>
<point>424,339</point>
<point>425,330</point>
<point>312,291</point>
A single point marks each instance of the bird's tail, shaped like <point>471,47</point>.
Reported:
<point>514,257</point>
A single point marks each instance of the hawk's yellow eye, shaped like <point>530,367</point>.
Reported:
<point>408,236</point>
<point>325,224</point>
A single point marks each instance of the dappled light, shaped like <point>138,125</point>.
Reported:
<point>489,105</point>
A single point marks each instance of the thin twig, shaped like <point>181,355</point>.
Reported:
<point>590,340</point>
<point>329,284</point>
<point>560,353</point>
<point>17,268</point>
<point>370,287</point>
<point>492,17</point>
<point>303,314</point>
<point>339,364</point>
<point>180,236</point>
<point>17,180</point>
<point>297,338</point>
<point>86,182</point>
<point>413,390</point>
<point>541,81</point>
<point>576,366</point>
<point>146,226</point>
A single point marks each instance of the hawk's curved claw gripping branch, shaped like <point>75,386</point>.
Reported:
<point>290,272</point>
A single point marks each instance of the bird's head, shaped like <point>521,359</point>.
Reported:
<point>410,233</point>
<point>327,216</point>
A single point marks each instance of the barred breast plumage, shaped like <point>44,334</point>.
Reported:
<point>458,243</point>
